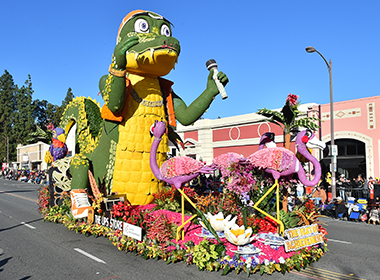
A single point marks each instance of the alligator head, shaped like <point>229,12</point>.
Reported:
<point>157,51</point>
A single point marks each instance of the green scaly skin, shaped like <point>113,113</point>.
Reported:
<point>98,154</point>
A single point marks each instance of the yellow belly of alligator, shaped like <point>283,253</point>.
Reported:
<point>132,174</point>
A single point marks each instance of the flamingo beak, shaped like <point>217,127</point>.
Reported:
<point>314,143</point>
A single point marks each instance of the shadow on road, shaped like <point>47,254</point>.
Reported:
<point>16,191</point>
<point>18,225</point>
<point>4,262</point>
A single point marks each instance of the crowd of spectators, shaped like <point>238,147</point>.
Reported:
<point>28,176</point>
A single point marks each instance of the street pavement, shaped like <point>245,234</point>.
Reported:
<point>33,249</point>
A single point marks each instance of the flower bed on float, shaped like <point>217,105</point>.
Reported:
<point>265,252</point>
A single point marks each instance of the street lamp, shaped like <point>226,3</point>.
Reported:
<point>333,157</point>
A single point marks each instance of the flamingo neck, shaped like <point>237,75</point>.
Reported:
<point>301,173</point>
<point>153,160</point>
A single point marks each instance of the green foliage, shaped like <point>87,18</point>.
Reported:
<point>39,113</point>
<point>23,117</point>
<point>20,114</point>
<point>289,119</point>
<point>167,204</point>
<point>204,252</point>
<point>94,117</point>
<point>289,219</point>
<point>167,198</point>
<point>39,135</point>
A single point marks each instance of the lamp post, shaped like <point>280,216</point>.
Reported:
<point>333,157</point>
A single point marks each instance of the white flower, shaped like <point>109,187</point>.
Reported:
<point>248,262</point>
<point>281,260</point>
<point>266,261</point>
<point>218,222</point>
<point>238,235</point>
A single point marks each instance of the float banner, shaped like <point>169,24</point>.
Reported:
<point>301,242</point>
<point>301,237</point>
<point>127,229</point>
<point>301,231</point>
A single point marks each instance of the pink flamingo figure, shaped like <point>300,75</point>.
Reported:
<point>176,171</point>
<point>223,161</point>
<point>267,141</point>
<point>280,162</point>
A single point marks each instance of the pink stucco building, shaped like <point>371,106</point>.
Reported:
<point>355,133</point>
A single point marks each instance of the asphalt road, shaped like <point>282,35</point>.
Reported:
<point>33,249</point>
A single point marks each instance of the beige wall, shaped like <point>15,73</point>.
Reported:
<point>32,155</point>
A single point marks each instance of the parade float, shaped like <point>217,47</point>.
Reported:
<point>121,185</point>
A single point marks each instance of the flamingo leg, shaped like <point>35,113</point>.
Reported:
<point>182,226</point>
<point>280,224</point>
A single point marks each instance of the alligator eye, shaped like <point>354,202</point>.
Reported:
<point>165,30</point>
<point>141,25</point>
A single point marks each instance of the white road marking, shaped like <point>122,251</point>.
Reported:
<point>89,255</point>
<point>339,241</point>
<point>29,226</point>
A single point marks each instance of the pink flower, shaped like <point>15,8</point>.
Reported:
<point>292,98</point>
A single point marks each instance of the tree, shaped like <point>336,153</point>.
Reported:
<point>23,120</point>
<point>59,110</point>
<point>7,106</point>
<point>52,115</point>
<point>289,119</point>
<point>39,113</point>
<point>39,135</point>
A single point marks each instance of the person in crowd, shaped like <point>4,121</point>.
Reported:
<point>343,183</point>
<point>340,208</point>
<point>319,195</point>
<point>374,216</point>
<point>300,189</point>
<point>365,191</point>
<point>377,201</point>
<point>371,187</point>
<point>358,182</point>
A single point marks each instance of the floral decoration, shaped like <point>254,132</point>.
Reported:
<point>159,238</point>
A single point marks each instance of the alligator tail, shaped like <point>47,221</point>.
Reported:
<point>85,113</point>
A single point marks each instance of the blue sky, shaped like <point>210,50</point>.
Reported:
<point>260,45</point>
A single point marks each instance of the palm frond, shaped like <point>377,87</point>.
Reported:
<point>307,123</point>
<point>274,115</point>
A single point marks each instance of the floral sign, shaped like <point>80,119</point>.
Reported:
<point>302,237</point>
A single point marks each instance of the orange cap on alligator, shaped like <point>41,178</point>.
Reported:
<point>130,15</point>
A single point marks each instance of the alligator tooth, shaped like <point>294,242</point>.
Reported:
<point>136,56</point>
<point>127,53</point>
<point>151,52</point>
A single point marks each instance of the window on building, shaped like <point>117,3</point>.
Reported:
<point>349,147</point>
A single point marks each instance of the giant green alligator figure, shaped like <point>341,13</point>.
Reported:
<point>114,142</point>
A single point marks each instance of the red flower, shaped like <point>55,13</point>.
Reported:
<point>292,98</point>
